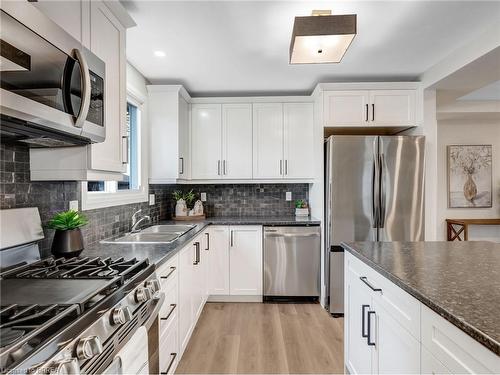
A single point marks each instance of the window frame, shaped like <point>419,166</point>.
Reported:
<point>96,199</point>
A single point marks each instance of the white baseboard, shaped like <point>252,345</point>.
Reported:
<point>227,298</point>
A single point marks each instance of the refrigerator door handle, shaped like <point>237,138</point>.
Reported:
<point>381,215</point>
<point>375,191</point>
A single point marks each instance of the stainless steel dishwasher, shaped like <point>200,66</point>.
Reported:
<point>291,262</point>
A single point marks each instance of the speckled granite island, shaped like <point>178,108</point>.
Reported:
<point>444,295</point>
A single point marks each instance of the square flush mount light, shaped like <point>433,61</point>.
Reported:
<point>321,38</point>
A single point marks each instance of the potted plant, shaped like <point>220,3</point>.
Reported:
<point>184,204</point>
<point>301,208</point>
<point>68,239</point>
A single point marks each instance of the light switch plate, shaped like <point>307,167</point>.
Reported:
<point>288,195</point>
<point>203,197</point>
<point>73,205</point>
<point>151,199</point>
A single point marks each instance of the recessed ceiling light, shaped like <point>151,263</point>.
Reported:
<point>160,54</point>
<point>321,38</point>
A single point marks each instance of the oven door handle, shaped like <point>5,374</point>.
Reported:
<point>158,301</point>
<point>86,88</point>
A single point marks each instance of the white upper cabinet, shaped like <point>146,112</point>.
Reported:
<point>392,107</point>
<point>245,260</point>
<point>70,15</point>
<point>369,108</point>
<point>346,108</point>
<point>237,141</point>
<point>298,140</point>
<point>206,141</point>
<point>169,133</point>
<point>268,160</point>
<point>107,41</point>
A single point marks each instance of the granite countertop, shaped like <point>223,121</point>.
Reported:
<point>160,253</point>
<point>458,280</point>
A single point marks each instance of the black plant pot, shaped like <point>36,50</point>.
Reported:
<point>67,243</point>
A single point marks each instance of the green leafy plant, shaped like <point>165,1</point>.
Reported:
<point>67,220</point>
<point>300,203</point>
<point>188,197</point>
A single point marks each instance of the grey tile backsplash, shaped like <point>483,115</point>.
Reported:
<point>16,190</point>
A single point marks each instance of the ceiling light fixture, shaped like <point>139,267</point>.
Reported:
<point>321,37</point>
<point>160,54</point>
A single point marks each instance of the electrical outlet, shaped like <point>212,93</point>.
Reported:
<point>151,199</point>
<point>73,205</point>
<point>288,195</point>
<point>203,197</point>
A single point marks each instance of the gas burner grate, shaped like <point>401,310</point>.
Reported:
<point>24,328</point>
<point>77,268</point>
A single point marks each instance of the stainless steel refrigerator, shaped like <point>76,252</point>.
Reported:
<point>374,191</point>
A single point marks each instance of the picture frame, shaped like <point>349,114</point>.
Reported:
<point>470,180</point>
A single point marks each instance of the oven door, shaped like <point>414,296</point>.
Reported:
<point>59,88</point>
<point>133,357</point>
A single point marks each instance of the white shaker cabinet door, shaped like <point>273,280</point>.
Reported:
<point>392,107</point>
<point>358,303</point>
<point>346,108</point>
<point>184,133</point>
<point>107,41</point>
<point>268,141</point>
<point>298,140</point>
<point>219,260</point>
<point>206,141</point>
<point>396,351</point>
<point>237,141</point>
<point>186,292</point>
<point>245,260</point>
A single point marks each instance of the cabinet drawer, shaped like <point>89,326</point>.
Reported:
<point>168,272</point>
<point>169,309</point>
<point>403,308</point>
<point>456,350</point>
<point>169,350</point>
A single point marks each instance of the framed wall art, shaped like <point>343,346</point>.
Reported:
<point>469,176</point>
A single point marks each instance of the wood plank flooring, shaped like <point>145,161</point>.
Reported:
<point>264,338</point>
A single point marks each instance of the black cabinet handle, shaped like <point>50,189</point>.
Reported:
<point>172,270</point>
<point>365,280</point>
<point>373,112</point>
<point>182,165</point>
<point>231,238</point>
<point>366,112</point>
<point>369,338</point>
<point>196,253</point>
<point>172,308</point>
<point>173,355</point>
<point>208,241</point>
<point>363,310</point>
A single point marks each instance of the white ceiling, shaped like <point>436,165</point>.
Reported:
<point>235,47</point>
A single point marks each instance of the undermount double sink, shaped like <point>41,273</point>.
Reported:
<point>155,234</point>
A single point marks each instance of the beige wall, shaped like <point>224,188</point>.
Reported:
<point>468,132</point>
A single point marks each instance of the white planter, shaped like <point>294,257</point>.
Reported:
<point>302,212</point>
<point>181,208</point>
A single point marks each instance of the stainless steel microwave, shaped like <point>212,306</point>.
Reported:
<point>52,87</point>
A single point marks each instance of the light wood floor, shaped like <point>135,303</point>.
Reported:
<point>258,338</point>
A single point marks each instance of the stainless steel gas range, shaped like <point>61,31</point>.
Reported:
<point>72,316</point>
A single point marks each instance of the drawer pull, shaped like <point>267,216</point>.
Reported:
<point>365,280</point>
<point>172,269</point>
<point>363,314</point>
<point>173,306</point>
<point>208,241</point>
<point>173,355</point>
<point>369,338</point>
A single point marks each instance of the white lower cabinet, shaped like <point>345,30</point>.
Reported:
<point>235,259</point>
<point>245,260</point>
<point>218,279</point>
<point>387,331</point>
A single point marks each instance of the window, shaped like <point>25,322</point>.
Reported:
<point>133,188</point>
